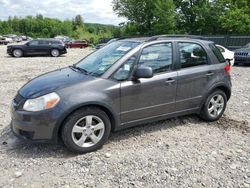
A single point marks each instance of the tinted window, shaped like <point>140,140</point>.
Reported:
<point>220,48</point>
<point>124,71</point>
<point>33,43</point>
<point>55,42</point>
<point>217,53</point>
<point>191,54</point>
<point>43,42</point>
<point>158,57</point>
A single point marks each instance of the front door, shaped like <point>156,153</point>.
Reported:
<point>152,97</point>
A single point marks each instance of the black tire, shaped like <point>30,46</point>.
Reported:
<point>204,114</point>
<point>70,122</point>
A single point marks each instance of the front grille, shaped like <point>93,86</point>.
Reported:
<point>241,53</point>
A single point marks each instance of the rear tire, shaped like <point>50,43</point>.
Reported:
<point>55,53</point>
<point>214,106</point>
<point>86,130</point>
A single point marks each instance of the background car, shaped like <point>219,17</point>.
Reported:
<point>51,47</point>
<point>102,42</point>
<point>77,44</point>
<point>228,55</point>
<point>242,55</point>
<point>4,41</point>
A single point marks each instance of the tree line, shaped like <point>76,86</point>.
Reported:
<point>40,26</point>
<point>198,17</point>
<point>144,17</point>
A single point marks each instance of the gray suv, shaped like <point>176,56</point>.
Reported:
<point>126,83</point>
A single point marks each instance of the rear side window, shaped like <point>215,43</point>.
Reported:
<point>192,54</point>
<point>158,57</point>
<point>43,42</point>
<point>56,42</point>
<point>217,53</point>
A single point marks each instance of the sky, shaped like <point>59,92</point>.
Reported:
<point>93,11</point>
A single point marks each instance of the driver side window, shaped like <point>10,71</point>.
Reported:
<point>33,43</point>
<point>124,71</point>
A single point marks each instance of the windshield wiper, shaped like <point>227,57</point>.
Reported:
<point>79,69</point>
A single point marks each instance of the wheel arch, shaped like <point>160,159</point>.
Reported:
<point>111,114</point>
<point>220,86</point>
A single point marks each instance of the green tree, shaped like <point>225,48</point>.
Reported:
<point>235,17</point>
<point>146,17</point>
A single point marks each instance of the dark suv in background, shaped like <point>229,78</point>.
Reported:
<point>36,47</point>
<point>242,55</point>
<point>126,83</point>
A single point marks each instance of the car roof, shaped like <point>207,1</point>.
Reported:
<point>187,38</point>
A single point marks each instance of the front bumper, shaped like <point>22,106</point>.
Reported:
<point>243,60</point>
<point>9,51</point>
<point>35,126</point>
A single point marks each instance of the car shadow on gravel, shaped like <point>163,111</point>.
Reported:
<point>35,56</point>
<point>15,147</point>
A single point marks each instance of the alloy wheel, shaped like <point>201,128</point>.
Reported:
<point>88,131</point>
<point>216,105</point>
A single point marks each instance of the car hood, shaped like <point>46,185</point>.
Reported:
<point>243,50</point>
<point>52,81</point>
<point>15,46</point>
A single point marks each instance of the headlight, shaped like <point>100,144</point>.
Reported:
<point>41,103</point>
<point>248,54</point>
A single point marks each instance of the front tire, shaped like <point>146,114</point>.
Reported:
<point>17,53</point>
<point>214,106</point>
<point>86,130</point>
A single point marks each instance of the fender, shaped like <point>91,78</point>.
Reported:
<point>218,85</point>
<point>115,120</point>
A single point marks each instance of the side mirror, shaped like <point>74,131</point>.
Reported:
<point>27,44</point>
<point>143,72</point>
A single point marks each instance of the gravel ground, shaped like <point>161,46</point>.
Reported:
<point>179,152</point>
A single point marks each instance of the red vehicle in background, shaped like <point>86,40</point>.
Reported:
<point>77,44</point>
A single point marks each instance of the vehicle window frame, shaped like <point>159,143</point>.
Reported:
<point>151,44</point>
<point>136,54</point>
<point>179,54</point>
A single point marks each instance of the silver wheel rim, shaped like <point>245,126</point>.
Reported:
<point>88,131</point>
<point>55,53</point>
<point>216,105</point>
<point>17,53</point>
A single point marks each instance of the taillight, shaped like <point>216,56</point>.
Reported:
<point>227,69</point>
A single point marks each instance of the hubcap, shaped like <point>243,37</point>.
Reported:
<point>88,131</point>
<point>216,105</point>
<point>55,53</point>
<point>17,53</point>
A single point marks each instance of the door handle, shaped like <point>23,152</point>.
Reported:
<point>210,74</point>
<point>170,81</point>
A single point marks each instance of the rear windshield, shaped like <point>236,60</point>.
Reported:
<point>217,53</point>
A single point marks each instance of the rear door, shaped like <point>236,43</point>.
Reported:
<point>194,74</point>
<point>152,97</point>
<point>44,47</point>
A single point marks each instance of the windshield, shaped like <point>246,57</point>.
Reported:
<point>100,61</point>
<point>247,45</point>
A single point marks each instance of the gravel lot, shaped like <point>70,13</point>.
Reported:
<point>180,152</point>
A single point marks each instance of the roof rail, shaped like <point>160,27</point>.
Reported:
<point>176,36</point>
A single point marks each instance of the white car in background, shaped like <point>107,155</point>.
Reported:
<point>228,55</point>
